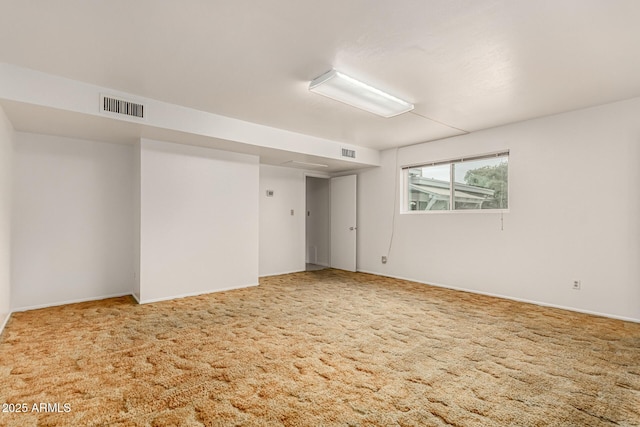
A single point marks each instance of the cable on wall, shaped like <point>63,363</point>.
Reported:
<point>395,204</point>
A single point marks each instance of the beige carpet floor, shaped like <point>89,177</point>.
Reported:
<point>320,349</point>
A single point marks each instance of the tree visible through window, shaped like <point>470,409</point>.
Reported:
<point>476,183</point>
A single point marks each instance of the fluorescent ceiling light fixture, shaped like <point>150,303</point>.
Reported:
<point>335,85</point>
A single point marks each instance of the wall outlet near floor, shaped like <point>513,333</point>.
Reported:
<point>383,259</point>
<point>576,285</point>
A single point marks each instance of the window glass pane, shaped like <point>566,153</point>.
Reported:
<point>429,188</point>
<point>481,184</point>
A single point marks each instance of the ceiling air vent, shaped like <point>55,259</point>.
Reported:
<point>121,106</point>
<point>348,153</point>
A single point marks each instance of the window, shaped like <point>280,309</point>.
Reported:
<point>474,183</point>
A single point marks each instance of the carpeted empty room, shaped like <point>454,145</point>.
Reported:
<point>339,213</point>
<point>320,348</point>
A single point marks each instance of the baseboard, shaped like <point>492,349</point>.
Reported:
<point>543,304</point>
<point>4,322</point>
<point>136,297</point>
<point>75,301</point>
<point>212,291</point>
<point>282,273</point>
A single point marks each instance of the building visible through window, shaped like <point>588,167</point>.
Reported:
<point>477,183</point>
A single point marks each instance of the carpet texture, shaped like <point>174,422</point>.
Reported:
<point>320,349</point>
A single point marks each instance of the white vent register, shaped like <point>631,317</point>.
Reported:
<point>123,107</point>
<point>348,153</point>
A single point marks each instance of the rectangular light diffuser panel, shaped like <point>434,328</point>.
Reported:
<point>335,85</point>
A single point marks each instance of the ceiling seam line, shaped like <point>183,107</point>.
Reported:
<point>438,121</point>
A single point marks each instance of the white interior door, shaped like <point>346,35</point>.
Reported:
<point>343,222</point>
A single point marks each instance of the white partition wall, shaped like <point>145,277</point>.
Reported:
<point>198,220</point>
<point>282,220</point>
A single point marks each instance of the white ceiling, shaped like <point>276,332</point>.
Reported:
<point>465,64</point>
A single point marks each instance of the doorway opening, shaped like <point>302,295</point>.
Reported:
<point>318,223</point>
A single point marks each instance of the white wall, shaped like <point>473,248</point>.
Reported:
<point>198,221</point>
<point>6,148</point>
<point>318,221</point>
<point>72,228</point>
<point>282,235</point>
<point>574,214</point>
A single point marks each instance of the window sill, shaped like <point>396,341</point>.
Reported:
<point>459,211</point>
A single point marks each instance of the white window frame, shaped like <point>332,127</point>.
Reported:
<point>404,185</point>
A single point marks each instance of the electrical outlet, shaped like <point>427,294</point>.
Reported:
<point>383,259</point>
<point>576,285</point>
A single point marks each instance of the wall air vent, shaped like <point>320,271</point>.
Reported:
<point>348,153</point>
<point>120,106</point>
